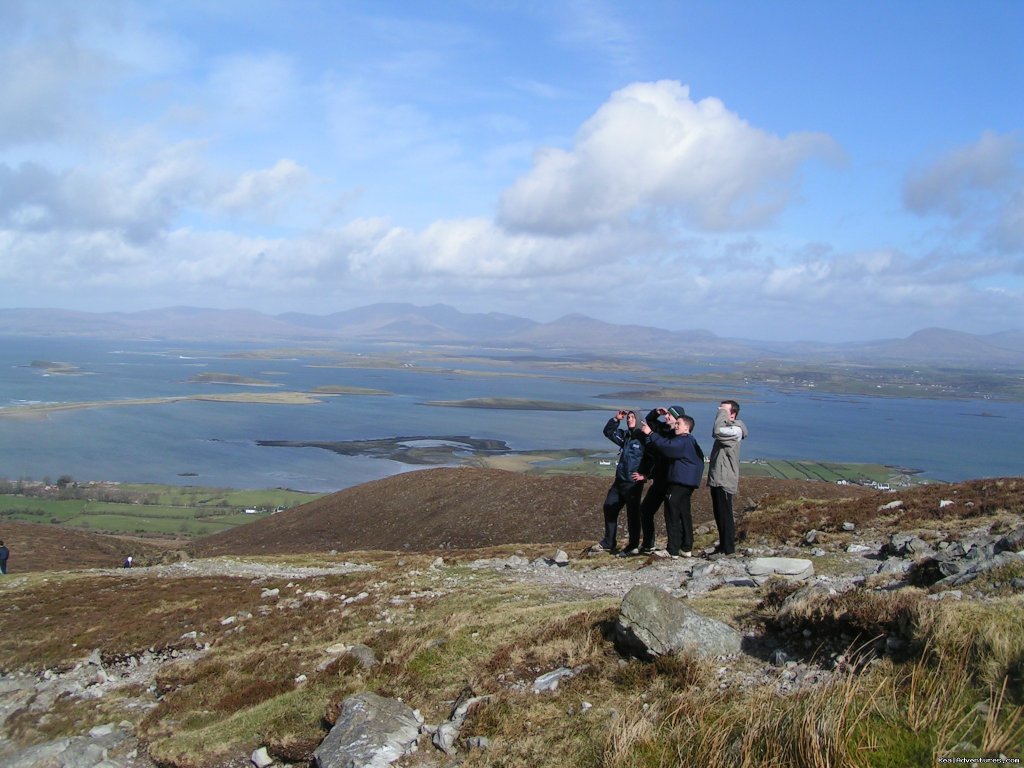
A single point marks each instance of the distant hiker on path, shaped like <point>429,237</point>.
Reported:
<point>128,562</point>
<point>4,554</point>
<point>626,489</point>
<point>724,471</point>
<point>684,475</point>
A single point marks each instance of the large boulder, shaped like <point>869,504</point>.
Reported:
<point>370,732</point>
<point>653,623</point>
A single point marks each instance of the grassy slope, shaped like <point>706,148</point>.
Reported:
<point>436,630</point>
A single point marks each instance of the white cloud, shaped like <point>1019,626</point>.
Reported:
<point>650,148</point>
<point>259,191</point>
<point>43,90</point>
<point>978,187</point>
<point>945,185</point>
<point>136,196</point>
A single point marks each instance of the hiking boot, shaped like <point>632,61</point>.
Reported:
<point>647,550</point>
<point>629,552</point>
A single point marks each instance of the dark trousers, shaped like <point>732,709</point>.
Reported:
<point>654,498</point>
<point>622,495</point>
<point>678,519</point>
<point>721,503</point>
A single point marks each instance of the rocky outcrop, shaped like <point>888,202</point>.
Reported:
<point>653,623</point>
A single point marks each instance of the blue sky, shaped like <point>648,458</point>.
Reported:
<point>786,170</point>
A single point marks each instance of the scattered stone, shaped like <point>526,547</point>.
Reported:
<point>943,503</point>
<point>261,758</point>
<point>447,733</point>
<point>848,526</point>
<point>550,680</point>
<point>266,594</point>
<point>891,505</point>
<point>811,537</point>
<point>561,558</point>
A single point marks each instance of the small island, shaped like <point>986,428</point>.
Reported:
<point>512,404</point>
<point>58,369</point>
<point>211,377</point>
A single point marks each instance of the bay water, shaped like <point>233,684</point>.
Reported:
<point>215,443</point>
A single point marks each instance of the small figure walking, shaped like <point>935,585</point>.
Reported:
<point>128,562</point>
<point>4,554</point>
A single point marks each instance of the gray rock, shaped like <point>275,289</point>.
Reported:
<point>445,736</point>
<point>371,732</point>
<point>363,655</point>
<point>261,758</point>
<point>976,568</point>
<point>811,537</point>
<point>848,526</point>
<point>1011,542</point>
<point>447,733</point>
<point>653,623</point>
<point>560,558</point>
<point>550,680</point>
<point>894,566</point>
<point>790,568</point>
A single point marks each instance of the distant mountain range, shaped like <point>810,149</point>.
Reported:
<point>442,325</point>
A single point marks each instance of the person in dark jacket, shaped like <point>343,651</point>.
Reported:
<point>625,491</point>
<point>4,554</point>
<point>660,420</point>
<point>685,470</point>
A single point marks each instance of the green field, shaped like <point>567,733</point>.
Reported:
<point>149,509</point>
<point>825,471</point>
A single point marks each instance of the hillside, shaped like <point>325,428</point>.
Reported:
<point>903,599</point>
<point>461,508</point>
<point>36,547</point>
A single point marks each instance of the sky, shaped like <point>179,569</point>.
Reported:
<point>765,170</point>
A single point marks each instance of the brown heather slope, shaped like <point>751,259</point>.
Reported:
<point>41,547</point>
<point>464,508</point>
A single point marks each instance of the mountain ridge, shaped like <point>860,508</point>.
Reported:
<point>441,324</point>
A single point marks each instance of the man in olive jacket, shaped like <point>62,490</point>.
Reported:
<point>724,471</point>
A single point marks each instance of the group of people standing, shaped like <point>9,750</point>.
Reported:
<point>662,449</point>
